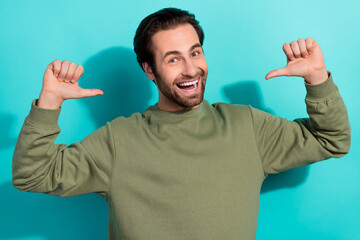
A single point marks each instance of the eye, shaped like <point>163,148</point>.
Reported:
<point>173,60</point>
<point>196,53</point>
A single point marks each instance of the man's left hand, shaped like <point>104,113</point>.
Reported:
<point>304,59</point>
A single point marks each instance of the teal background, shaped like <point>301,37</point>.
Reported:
<point>243,42</point>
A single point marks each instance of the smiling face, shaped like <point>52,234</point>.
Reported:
<point>180,68</point>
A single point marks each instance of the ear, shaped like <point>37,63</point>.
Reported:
<point>148,71</point>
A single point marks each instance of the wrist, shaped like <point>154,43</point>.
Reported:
<point>49,101</point>
<point>317,77</point>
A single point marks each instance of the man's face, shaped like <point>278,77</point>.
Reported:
<point>180,68</point>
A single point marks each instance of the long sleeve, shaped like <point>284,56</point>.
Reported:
<point>39,165</point>
<point>284,144</point>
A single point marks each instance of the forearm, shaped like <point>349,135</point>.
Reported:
<point>287,144</point>
<point>39,165</point>
<point>317,77</point>
<point>49,101</point>
<point>329,121</point>
<point>35,149</point>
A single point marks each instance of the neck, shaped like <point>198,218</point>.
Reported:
<point>174,108</point>
<point>170,106</point>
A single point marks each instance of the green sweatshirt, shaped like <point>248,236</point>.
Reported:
<point>192,174</point>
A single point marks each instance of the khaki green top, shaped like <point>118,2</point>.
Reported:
<point>192,174</point>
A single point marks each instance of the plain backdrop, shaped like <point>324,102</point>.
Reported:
<point>243,42</point>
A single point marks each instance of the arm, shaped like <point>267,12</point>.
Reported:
<point>39,165</point>
<point>286,144</point>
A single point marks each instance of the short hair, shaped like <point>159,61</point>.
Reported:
<point>161,20</point>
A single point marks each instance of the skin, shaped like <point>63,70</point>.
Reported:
<point>178,58</point>
<point>304,59</point>
<point>60,82</point>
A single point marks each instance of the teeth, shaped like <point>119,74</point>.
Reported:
<point>184,84</point>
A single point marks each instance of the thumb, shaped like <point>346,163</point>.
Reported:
<point>277,73</point>
<point>90,92</point>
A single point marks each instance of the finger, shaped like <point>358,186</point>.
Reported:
<point>55,67</point>
<point>277,73</point>
<point>303,49</point>
<point>90,92</point>
<point>70,73</point>
<point>288,52</point>
<point>78,72</point>
<point>64,69</point>
<point>309,44</point>
<point>295,48</point>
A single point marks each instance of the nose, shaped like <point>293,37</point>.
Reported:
<point>189,68</point>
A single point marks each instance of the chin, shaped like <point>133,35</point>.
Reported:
<point>190,103</point>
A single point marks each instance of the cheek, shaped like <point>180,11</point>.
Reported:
<point>170,74</point>
<point>202,64</point>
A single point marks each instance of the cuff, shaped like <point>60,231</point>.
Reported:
<point>322,90</point>
<point>43,117</point>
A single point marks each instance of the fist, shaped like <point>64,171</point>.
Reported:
<point>60,82</point>
<point>63,71</point>
<point>304,59</point>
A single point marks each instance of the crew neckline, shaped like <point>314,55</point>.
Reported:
<point>177,114</point>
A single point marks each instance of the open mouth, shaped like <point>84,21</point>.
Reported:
<point>188,86</point>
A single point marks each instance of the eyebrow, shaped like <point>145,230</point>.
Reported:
<point>196,45</point>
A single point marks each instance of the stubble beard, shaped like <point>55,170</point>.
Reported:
<point>175,97</point>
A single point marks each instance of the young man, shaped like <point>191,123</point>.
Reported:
<point>183,169</point>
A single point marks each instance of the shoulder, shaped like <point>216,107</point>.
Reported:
<point>242,112</point>
<point>134,120</point>
<point>231,108</point>
<point>233,112</point>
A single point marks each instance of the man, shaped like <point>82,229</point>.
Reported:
<point>183,169</point>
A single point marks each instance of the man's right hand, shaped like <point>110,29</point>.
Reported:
<point>60,82</point>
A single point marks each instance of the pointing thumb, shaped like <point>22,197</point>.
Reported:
<point>90,92</point>
<point>277,73</point>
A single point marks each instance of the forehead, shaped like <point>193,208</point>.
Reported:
<point>179,38</point>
